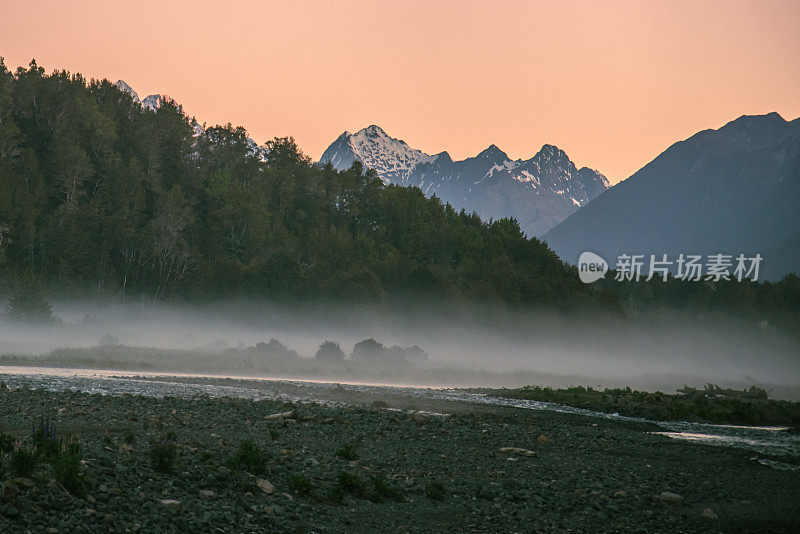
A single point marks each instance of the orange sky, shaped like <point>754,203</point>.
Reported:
<point>612,83</point>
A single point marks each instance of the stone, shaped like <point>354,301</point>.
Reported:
<point>265,486</point>
<point>207,495</point>
<point>281,415</point>
<point>171,504</point>
<point>108,519</point>
<point>708,513</point>
<point>670,498</point>
<point>517,450</point>
<point>620,494</point>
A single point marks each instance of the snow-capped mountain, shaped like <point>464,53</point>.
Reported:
<point>151,102</point>
<point>125,88</point>
<point>392,158</point>
<point>539,192</point>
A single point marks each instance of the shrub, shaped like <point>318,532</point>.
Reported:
<point>22,462</point>
<point>6,443</point>
<point>250,457</point>
<point>330,351</point>
<point>370,351</point>
<point>301,485</point>
<point>67,471</point>
<point>162,456</point>
<point>382,490</point>
<point>274,350</point>
<point>348,452</point>
<point>352,484</point>
<point>435,491</point>
<point>44,439</point>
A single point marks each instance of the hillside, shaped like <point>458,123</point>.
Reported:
<point>735,190</point>
<point>101,192</point>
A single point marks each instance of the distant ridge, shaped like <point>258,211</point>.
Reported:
<point>735,190</point>
<point>539,192</point>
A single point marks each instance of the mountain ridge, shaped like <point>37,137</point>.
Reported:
<point>539,192</point>
<point>733,190</point>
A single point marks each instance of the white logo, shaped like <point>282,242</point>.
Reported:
<point>591,267</point>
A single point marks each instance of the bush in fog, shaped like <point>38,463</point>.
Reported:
<point>415,354</point>
<point>330,351</point>
<point>274,350</point>
<point>277,350</point>
<point>370,350</point>
<point>28,304</point>
<point>373,351</point>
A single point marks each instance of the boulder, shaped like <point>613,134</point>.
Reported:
<point>708,513</point>
<point>171,504</point>
<point>670,498</point>
<point>265,486</point>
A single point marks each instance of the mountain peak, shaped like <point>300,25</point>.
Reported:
<point>756,130</point>
<point>493,153</point>
<point>373,130</point>
<point>125,88</point>
<point>551,151</point>
<point>539,192</point>
<point>732,190</point>
<point>444,156</point>
<point>152,102</point>
<point>392,158</point>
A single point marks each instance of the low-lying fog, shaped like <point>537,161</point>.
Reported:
<point>465,348</point>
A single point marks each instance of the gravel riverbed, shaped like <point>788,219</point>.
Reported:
<point>362,463</point>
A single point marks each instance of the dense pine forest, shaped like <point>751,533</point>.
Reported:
<point>101,196</point>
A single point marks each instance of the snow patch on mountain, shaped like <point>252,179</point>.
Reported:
<point>392,158</point>
<point>125,88</point>
<point>539,192</point>
<point>153,102</point>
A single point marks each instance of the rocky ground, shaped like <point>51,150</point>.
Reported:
<point>374,468</point>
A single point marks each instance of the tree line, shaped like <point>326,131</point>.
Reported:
<point>100,194</point>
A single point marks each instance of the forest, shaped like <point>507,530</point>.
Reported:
<point>100,197</point>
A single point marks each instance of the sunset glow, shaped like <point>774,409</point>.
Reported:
<point>613,84</point>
